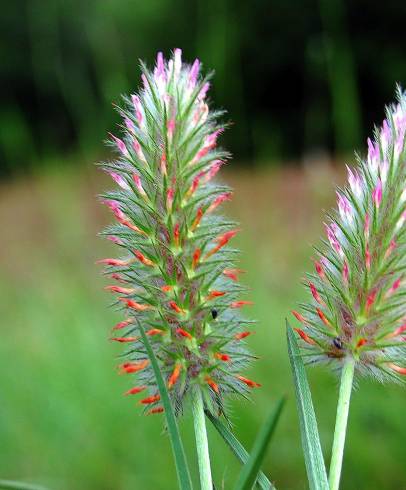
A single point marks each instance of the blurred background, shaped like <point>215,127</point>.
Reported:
<point>303,83</point>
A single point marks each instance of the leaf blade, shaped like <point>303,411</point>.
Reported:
<point>250,470</point>
<point>18,485</point>
<point>182,469</point>
<point>238,449</point>
<point>314,461</point>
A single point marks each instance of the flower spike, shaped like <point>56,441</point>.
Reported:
<point>177,277</point>
<point>356,302</point>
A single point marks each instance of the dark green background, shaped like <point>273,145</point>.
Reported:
<point>297,77</point>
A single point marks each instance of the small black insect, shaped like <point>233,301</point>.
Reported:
<point>338,343</point>
<point>214,313</point>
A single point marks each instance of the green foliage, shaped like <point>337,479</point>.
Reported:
<point>249,471</point>
<point>238,449</point>
<point>176,442</point>
<point>66,62</point>
<point>316,470</point>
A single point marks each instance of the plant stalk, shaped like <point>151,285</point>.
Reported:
<point>202,445</point>
<point>343,406</point>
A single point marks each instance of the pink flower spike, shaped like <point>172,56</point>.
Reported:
<point>377,194</point>
<point>119,180</point>
<point>120,145</point>
<point>364,262</point>
<point>176,262</point>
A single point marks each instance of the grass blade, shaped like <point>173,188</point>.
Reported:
<point>238,449</point>
<point>182,469</point>
<point>18,485</point>
<point>316,470</point>
<point>250,470</point>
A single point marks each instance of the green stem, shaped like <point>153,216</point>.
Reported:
<point>202,445</point>
<point>343,406</point>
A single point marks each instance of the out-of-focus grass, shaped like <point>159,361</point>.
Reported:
<point>63,419</point>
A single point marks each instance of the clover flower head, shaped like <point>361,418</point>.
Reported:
<point>357,306</point>
<point>177,275</point>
